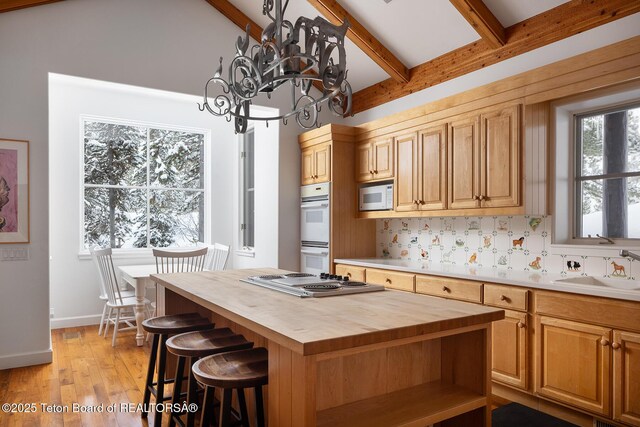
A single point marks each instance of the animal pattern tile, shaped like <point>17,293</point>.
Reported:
<point>520,243</point>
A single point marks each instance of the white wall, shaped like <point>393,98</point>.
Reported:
<point>74,282</point>
<point>604,35</point>
<point>162,44</point>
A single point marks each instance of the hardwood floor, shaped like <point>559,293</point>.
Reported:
<point>85,370</point>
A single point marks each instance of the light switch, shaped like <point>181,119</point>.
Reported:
<point>14,254</point>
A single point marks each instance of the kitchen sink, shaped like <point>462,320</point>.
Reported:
<point>602,282</point>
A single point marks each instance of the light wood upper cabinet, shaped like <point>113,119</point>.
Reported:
<point>308,169</point>
<point>407,173</point>
<point>316,164</point>
<point>500,158</point>
<point>626,377</point>
<point>322,159</point>
<point>421,182</point>
<point>432,166</point>
<point>573,363</point>
<point>509,354</point>
<point>374,160</point>
<point>383,159</point>
<point>464,163</point>
<point>364,162</point>
<point>484,160</point>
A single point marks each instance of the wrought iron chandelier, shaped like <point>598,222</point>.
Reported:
<point>318,57</point>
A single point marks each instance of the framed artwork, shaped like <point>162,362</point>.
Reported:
<point>14,191</point>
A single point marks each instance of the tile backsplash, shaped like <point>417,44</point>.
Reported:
<point>503,242</point>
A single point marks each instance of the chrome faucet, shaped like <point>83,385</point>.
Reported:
<point>628,254</point>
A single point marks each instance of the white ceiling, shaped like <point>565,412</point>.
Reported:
<point>413,30</point>
<point>416,31</point>
<point>511,12</point>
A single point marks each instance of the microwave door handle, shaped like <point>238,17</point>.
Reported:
<point>314,253</point>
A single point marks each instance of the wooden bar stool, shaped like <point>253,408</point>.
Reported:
<point>193,346</point>
<point>233,370</point>
<point>161,327</point>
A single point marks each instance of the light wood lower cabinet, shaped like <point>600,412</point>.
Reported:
<point>356,274</point>
<point>573,364</point>
<point>464,290</point>
<point>392,279</point>
<point>626,377</point>
<point>510,350</point>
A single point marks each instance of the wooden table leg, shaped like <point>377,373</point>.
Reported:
<point>140,286</point>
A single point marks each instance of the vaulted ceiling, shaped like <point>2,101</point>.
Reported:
<point>398,47</point>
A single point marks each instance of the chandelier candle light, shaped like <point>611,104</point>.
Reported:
<point>321,57</point>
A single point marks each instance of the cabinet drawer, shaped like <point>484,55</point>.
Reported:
<point>391,279</point>
<point>465,290</point>
<point>506,297</point>
<point>355,274</point>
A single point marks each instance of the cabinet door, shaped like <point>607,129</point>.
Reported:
<point>500,158</point>
<point>509,341</point>
<point>626,377</point>
<point>464,163</point>
<point>383,159</point>
<point>322,163</point>
<point>432,166</point>
<point>364,162</point>
<point>573,364</point>
<point>406,173</point>
<point>308,160</point>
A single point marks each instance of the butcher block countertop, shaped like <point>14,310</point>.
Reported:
<point>318,325</point>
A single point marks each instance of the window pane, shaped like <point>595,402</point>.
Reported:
<point>591,132</point>
<point>626,192</point>
<point>115,218</point>
<point>176,159</point>
<point>633,135</point>
<point>591,220</point>
<point>115,154</point>
<point>176,218</point>
<point>247,164</point>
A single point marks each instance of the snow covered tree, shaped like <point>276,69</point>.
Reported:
<point>165,169</point>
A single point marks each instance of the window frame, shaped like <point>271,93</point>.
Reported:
<point>560,191</point>
<point>578,178</point>
<point>137,252</point>
<point>242,249</point>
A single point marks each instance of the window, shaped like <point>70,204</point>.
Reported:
<point>607,173</point>
<point>143,186</point>
<point>247,190</point>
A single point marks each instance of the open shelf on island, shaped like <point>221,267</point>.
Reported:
<point>420,405</point>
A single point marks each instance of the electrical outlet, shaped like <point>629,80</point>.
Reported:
<point>51,316</point>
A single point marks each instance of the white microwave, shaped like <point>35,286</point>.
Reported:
<point>376,198</point>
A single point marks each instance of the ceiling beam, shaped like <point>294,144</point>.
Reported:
<point>238,17</point>
<point>9,5</point>
<point>482,20</point>
<point>564,21</point>
<point>336,14</point>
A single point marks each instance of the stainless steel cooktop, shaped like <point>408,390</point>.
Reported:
<point>307,285</point>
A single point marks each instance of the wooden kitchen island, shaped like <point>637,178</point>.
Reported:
<point>373,359</point>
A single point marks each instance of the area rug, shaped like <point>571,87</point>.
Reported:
<point>516,415</point>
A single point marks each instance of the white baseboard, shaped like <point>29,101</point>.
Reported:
<point>70,322</point>
<point>26,359</point>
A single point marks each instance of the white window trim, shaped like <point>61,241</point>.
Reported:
<point>131,253</point>
<point>563,166</point>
